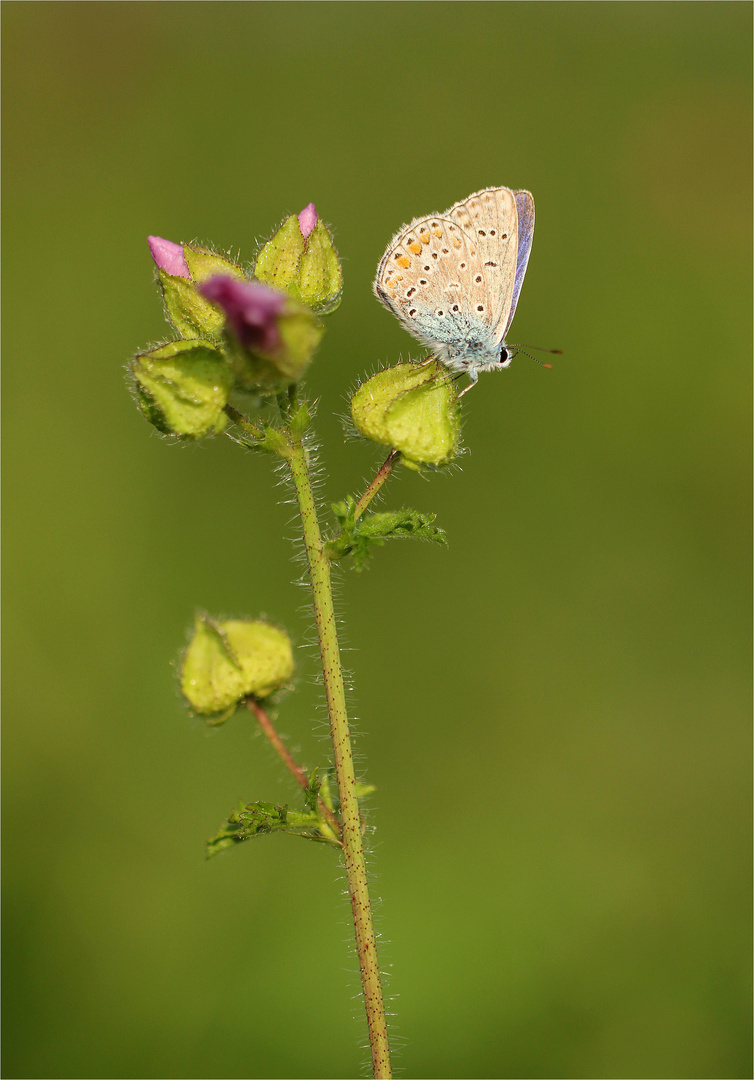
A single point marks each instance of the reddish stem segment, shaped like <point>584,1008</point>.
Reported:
<point>379,480</point>
<point>296,771</point>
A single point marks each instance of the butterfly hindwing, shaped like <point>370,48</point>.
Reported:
<point>428,277</point>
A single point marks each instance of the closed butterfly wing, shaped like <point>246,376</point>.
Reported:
<point>525,211</point>
<point>426,277</point>
<point>490,218</point>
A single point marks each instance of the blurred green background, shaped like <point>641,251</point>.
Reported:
<point>555,709</point>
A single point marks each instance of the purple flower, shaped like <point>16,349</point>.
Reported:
<point>307,219</point>
<point>169,257</point>
<point>251,309</point>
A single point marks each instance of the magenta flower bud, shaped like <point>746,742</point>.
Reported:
<point>169,257</point>
<point>307,219</point>
<point>251,310</point>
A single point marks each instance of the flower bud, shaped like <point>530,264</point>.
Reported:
<point>182,388</point>
<point>412,408</point>
<point>168,256</point>
<point>273,335</point>
<point>301,260</point>
<point>231,660</point>
<point>180,268</point>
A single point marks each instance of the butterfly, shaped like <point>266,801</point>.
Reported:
<point>453,279</point>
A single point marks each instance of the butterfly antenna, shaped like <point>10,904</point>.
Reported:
<point>539,348</point>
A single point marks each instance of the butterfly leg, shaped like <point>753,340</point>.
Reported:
<point>474,376</point>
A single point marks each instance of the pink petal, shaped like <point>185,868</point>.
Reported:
<point>169,257</point>
<point>307,219</point>
<point>251,309</point>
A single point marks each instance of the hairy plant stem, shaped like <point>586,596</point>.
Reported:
<point>298,773</point>
<point>324,614</point>
<point>353,848</point>
<point>243,422</point>
<point>379,480</point>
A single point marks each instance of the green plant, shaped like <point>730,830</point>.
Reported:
<point>244,344</point>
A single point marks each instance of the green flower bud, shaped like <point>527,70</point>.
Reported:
<point>182,388</point>
<point>180,268</point>
<point>301,260</point>
<point>278,262</point>
<point>231,660</point>
<point>204,264</point>
<point>412,408</point>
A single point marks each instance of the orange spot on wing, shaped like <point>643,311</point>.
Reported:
<point>404,261</point>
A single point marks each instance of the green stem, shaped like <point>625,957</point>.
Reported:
<point>377,483</point>
<point>243,423</point>
<point>353,848</point>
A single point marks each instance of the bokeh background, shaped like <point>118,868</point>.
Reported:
<point>554,709</point>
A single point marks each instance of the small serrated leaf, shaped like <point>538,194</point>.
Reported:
<point>269,440</point>
<point>312,790</point>
<point>359,537</point>
<point>363,790</point>
<point>402,523</point>
<point>256,819</point>
<point>300,420</point>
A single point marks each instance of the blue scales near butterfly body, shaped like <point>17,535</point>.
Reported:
<point>454,279</point>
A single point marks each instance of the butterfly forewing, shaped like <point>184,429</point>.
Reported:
<point>490,218</point>
<point>525,210</point>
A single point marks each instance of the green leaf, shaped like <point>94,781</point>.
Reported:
<point>300,420</point>
<point>363,790</point>
<point>260,818</point>
<point>359,537</point>
<point>312,791</point>
<point>269,440</point>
